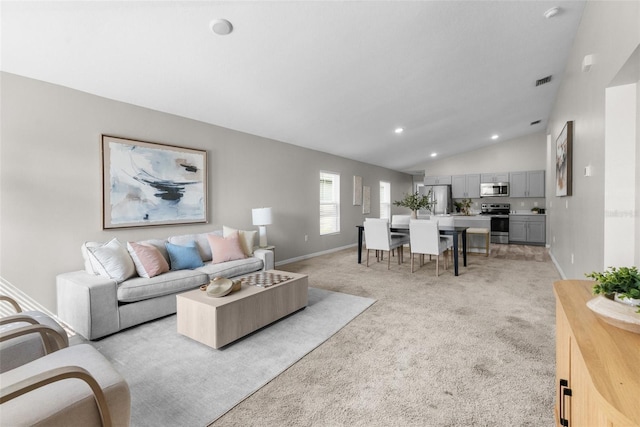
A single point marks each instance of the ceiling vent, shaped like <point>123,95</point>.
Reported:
<point>543,81</point>
<point>535,123</point>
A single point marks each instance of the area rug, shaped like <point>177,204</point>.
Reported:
<point>177,381</point>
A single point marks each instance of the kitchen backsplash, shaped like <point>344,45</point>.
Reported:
<point>519,205</point>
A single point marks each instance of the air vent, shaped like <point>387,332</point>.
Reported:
<point>535,123</point>
<point>543,81</point>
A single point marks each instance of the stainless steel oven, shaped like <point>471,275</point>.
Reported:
<point>499,213</point>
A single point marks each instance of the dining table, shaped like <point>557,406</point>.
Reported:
<point>446,230</point>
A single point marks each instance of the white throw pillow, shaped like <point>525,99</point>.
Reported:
<point>88,265</point>
<point>247,238</point>
<point>112,260</point>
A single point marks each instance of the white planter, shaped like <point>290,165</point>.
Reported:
<point>635,302</point>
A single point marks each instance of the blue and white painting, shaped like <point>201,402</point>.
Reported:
<point>152,184</point>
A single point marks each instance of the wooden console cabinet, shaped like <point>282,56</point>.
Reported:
<point>597,365</point>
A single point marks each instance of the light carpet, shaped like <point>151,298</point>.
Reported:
<point>176,381</point>
<point>472,350</point>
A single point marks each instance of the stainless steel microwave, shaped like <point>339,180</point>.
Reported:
<point>494,189</point>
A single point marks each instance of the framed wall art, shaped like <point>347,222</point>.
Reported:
<point>145,183</point>
<point>366,200</point>
<point>357,190</point>
<point>564,160</point>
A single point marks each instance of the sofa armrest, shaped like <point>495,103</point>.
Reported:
<point>266,255</point>
<point>88,303</point>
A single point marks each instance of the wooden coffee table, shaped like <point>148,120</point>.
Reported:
<point>217,322</point>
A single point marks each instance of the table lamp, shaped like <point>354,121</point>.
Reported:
<point>262,218</point>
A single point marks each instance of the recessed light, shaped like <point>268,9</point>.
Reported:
<point>399,130</point>
<point>434,154</point>
<point>495,136</point>
<point>221,27</point>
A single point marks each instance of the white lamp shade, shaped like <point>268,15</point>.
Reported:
<point>261,216</point>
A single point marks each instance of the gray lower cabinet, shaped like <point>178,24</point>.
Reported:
<point>527,229</point>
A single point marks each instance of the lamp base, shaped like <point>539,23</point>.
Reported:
<point>263,236</point>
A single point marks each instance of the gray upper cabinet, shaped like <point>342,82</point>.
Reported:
<point>495,177</point>
<point>465,186</point>
<point>526,184</point>
<point>437,180</point>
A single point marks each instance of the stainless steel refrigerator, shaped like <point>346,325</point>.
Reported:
<point>441,194</point>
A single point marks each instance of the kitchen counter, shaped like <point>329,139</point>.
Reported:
<point>527,213</point>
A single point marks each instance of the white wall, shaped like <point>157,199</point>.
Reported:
<point>519,154</point>
<point>50,181</point>
<point>611,32</point>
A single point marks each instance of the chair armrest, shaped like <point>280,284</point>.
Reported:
<point>18,318</point>
<point>43,330</point>
<point>57,374</point>
<point>11,301</point>
<point>266,255</point>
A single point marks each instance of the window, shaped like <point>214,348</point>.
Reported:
<point>385,200</point>
<point>329,203</point>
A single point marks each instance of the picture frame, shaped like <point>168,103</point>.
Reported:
<point>357,190</point>
<point>564,161</point>
<point>148,184</point>
<point>366,200</point>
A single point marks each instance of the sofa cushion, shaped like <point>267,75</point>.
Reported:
<point>88,266</point>
<point>231,269</point>
<point>159,244</point>
<point>247,238</point>
<point>141,288</point>
<point>201,242</point>
<point>184,257</point>
<point>112,260</point>
<point>225,248</point>
<point>148,260</point>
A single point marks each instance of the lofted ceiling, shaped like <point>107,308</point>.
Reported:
<point>334,76</point>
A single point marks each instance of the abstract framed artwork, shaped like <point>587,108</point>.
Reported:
<point>357,190</point>
<point>564,160</point>
<point>366,199</point>
<point>145,183</point>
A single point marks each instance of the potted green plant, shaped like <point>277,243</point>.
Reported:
<point>619,283</point>
<point>415,202</point>
<point>465,206</point>
<point>535,210</point>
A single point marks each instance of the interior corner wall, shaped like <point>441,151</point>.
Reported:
<point>610,31</point>
<point>51,180</point>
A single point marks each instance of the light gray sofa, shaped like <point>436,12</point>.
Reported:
<point>96,306</point>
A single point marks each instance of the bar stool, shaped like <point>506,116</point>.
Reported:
<point>479,231</point>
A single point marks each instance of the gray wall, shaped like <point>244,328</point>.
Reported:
<point>611,32</point>
<point>50,182</point>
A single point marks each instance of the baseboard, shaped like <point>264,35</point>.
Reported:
<point>555,262</point>
<point>313,255</point>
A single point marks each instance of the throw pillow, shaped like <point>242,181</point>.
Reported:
<point>112,260</point>
<point>225,248</point>
<point>88,265</point>
<point>184,257</point>
<point>148,260</point>
<point>247,238</point>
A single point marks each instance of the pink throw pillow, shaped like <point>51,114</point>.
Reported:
<point>225,248</point>
<point>148,260</point>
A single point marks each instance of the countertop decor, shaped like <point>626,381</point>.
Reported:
<point>415,202</point>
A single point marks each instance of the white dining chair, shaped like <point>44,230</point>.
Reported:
<point>378,237</point>
<point>426,240</point>
<point>447,221</point>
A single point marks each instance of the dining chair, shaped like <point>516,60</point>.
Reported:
<point>426,240</point>
<point>447,221</point>
<point>378,237</point>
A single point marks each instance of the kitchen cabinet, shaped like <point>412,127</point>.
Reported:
<point>597,365</point>
<point>527,229</point>
<point>465,186</point>
<point>437,180</point>
<point>495,177</point>
<point>526,184</point>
